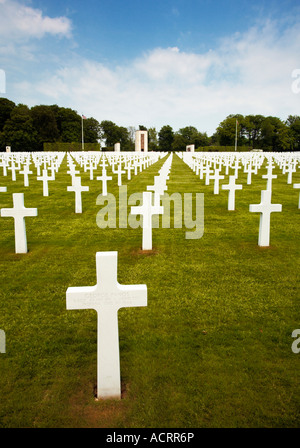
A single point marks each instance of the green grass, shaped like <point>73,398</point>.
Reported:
<point>211,349</point>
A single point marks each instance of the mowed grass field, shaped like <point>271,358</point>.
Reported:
<point>211,350</point>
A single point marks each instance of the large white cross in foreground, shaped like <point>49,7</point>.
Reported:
<point>265,208</point>
<point>107,297</point>
<point>19,212</point>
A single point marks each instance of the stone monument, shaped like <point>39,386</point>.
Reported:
<point>141,141</point>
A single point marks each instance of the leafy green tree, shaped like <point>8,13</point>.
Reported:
<point>6,107</point>
<point>166,138</point>
<point>293,123</point>
<point>253,129</point>
<point>112,134</point>
<point>227,129</point>
<point>179,142</point>
<point>189,136</point>
<point>152,139</point>
<point>45,124</point>
<point>68,123</point>
<point>92,130</point>
<point>275,135</point>
<point>131,133</point>
<point>125,140</point>
<point>19,131</point>
<point>109,132</point>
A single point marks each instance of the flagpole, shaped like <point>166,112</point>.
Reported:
<point>236,123</point>
<point>82,140</point>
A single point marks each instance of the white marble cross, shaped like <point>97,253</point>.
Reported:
<point>249,170</point>
<point>25,172</point>
<point>119,172</point>
<point>147,210</point>
<point>77,188</point>
<point>13,170</point>
<point>290,170</point>
<point>158,188</point>
<point>201,170</point>
<point>129,168</point>
<point>38,164</point>
<point>236,168</point>
<point>107,297</point>
<point>265,208</point>
<point>104,178</point>
<point>92,168</point>
<point>4,166</point>
<point>208,172</point>
<point>297,186</point>
<point>217,177</point>
<point>269,176</point>
<point>72,171</point>
<point>232,186</point>
<point>3,189</point>
<point>19,212</point>
<point>45,178</point>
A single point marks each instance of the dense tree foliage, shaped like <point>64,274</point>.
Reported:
<point>165,138</point>
<point>26,129</point>
<point>259,132</point>
<point>112,134</point>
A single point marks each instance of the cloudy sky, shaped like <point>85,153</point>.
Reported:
<point>153,62</point>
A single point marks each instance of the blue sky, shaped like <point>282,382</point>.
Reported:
<point>175,62</point>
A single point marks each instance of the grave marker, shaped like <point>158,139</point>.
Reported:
<point>26,171</point>
<point>45,178</point>
<point>19,212</point>
<point>269,176</point>
<point>265,208</point>
<point>231,187</point>
<point>107,297</point>
<point>104,178</point>
<point>147,210</point>
<point>297,186</point>
<point>217,177</point>
<point>78,189</point>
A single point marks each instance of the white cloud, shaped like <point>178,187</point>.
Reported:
<point>20,21</point>
<point>248,73</point>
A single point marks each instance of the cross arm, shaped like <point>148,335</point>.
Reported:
<point>132,295</point>
<point>82,297</point>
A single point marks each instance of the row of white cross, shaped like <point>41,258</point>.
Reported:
<point>108,296</point>
<point>19,212</point>
<point>148,208</point>
<point>202,164</point>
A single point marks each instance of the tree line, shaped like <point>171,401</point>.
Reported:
<point>27,129</point>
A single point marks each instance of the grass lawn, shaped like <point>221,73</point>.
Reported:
<point>211,349</point>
